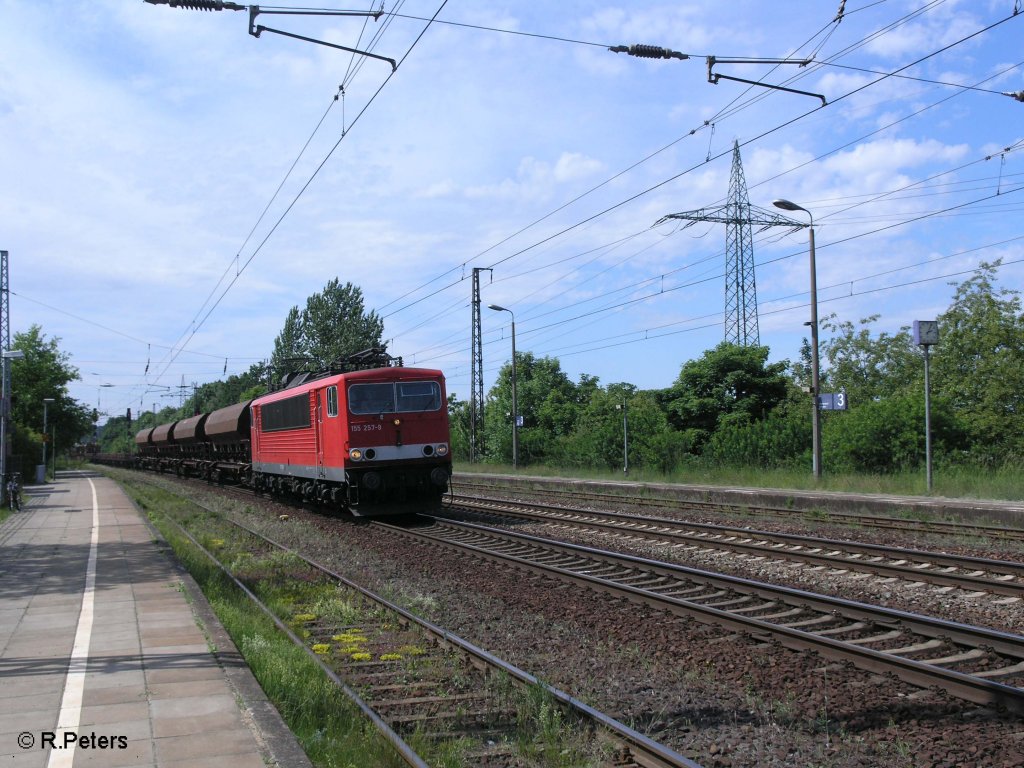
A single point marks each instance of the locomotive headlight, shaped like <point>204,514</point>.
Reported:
<point>355,454</point>
<point>398,422</point>
<point>442,450</point>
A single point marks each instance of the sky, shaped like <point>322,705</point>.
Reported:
<point>172,185</point>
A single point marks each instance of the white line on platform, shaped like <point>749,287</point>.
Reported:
<point>74,686</point>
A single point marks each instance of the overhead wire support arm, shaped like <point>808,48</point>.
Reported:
<point>714,77</point>
<point>256,29</point>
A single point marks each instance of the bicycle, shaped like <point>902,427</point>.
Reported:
<point>14,495</point>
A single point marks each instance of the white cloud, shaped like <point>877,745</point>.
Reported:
<point>142,143</point>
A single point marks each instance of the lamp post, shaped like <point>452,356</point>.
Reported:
<point>5,407</point>
<point>46,402</point>
<point>926,334</point>
<point>515,401</point>
<point>787,205</point>
<point>625,435</point>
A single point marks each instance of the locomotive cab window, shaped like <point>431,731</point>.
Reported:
<point>332,401</point>
<point>418,396</point>
<point>367,399</point>
<point>394,397</point>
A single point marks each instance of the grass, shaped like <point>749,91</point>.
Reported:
<point>328,726</point>
<point>326,723</point>
<point>954,481</point>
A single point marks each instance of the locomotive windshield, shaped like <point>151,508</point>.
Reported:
<point>394,397</point>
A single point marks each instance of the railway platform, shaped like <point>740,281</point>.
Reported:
<point>109,653</point>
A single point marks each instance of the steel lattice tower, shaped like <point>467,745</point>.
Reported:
<point>739,217</point>
<point>5,366</point>
<point>476,381</point>
<point>740,285</point>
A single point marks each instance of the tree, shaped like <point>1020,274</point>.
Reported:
<point>235,389</point>
<point>597,440</point>
<point>730,383</point>
<point>44,372</point>
<point>333,324</point>
<point>549,403</point>
<point>458,420</point>
<point>887,435</point>
<point>869,368</point>
<point>978,365</point>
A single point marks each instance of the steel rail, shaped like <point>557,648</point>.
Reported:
<point>407,753</point>
<point>919,673</point>
<point>667,528</point>
<point>943,527</point>
<point>644,751</point>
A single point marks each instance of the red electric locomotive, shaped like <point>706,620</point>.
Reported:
<point>371,440</point>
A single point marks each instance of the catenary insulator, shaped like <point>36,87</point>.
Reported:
<point>649,52</point>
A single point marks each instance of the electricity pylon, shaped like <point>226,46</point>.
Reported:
<point>739,217</point>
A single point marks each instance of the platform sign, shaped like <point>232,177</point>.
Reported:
<point>833,401</point>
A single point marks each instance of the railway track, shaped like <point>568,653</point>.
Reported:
<point>982,575</point>
<point>415,679</point>
<point>579,495</point>
<point>976,664</point>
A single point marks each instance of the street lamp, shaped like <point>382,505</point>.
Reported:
<point>926,334</point>
<point>787,205</point>
<point>5,407</point>
<point>46,402</point>
<point>625,435</point>
<point>515,401</point>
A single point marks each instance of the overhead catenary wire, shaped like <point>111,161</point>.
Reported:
<point>707,160</point>
<point>305,186</point>
<point>455,268</point>
<point>920,59</point>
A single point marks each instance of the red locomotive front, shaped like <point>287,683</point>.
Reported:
<point>374,441</point>
<point>398,438</point>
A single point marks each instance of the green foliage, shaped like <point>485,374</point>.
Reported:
<point>887,435</point>
<point>458,419</point>
<point>235,389</point>
<point>598,437</point>
<point>727,382</point>
<point>978,365</point>
<point>780,439</point>
<point>333,324</point>
<point>549,403</point>
<point>44,372</point>
<point>869,368</point>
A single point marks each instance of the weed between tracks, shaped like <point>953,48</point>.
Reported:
<point>330,728</point>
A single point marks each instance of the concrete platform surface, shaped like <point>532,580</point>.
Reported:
<point>109,654</point>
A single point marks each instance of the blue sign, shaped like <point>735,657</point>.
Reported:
<point>833,401</point>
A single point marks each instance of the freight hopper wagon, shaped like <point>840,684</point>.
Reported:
<point>372,441</point>
<point>214,446</point>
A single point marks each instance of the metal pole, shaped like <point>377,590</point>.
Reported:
<point>815,364</point>
<point>44,439</point>
<point>4,400</point>
<point>515,400</point>
<point>788,205</point>
<point>927,423</point>
<point>625,438</point>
